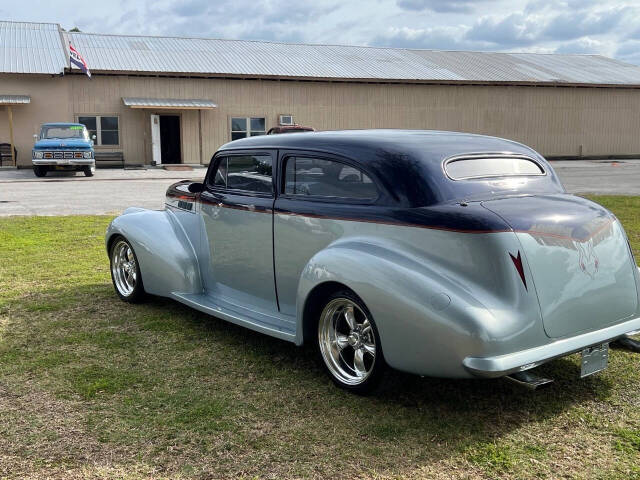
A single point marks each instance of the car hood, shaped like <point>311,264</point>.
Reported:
<point>52,144</point>
<point>578,257</point>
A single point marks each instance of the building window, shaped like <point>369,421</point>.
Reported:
<point>242,127</point>
<point>105,128</point>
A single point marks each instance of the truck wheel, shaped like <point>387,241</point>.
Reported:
<point>89,171</point>
<point>40,170</point>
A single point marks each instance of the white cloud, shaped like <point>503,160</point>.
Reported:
<point>570,26</point>
<point>437,38</point>
<point>513,30</point>
<point>441,6</point>
<point>583,45</point>
<point>629,51</point>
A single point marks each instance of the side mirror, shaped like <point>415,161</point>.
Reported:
<point>196,187</point>
<point>35,136</point>
<point>93,137</point>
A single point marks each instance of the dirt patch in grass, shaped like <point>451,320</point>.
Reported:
<point>42,433</point>
<point>91,387</point>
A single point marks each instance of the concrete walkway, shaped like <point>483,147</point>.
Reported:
<point>110,191</point>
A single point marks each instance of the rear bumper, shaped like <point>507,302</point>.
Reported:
<point>525,359</point>
<point>70,162</point>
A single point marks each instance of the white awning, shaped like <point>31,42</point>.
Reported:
<point>170,103</point>
<point>14,99</point>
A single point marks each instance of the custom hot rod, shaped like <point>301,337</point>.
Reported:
<point>437,253</point>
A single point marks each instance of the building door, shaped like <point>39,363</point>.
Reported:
<point>170,138</point>
<point>156,153</point>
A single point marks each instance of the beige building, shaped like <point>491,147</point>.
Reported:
<point>176,100</point>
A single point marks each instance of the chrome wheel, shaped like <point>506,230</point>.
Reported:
<point>347,341</point>
<point>123,268</point>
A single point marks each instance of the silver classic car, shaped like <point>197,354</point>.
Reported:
<point>436,253</point>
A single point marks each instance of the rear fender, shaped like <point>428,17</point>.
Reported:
<point>165,254</point>
<point>429,319</point>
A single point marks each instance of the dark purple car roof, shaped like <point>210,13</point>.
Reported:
<point>408,164</point>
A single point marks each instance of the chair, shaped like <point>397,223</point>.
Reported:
<point>5,155</point>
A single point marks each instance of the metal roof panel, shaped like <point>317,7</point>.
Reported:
<point>41,48</point>
<point>31,48</point>
<point>282,60</point>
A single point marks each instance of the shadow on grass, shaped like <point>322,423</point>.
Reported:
<point>263,379</point>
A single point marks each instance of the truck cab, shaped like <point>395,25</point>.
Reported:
<point>63,146</point>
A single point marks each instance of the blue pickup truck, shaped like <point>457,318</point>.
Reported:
<point>63,146</point>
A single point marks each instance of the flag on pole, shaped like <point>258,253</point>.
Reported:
<point>77,60</point>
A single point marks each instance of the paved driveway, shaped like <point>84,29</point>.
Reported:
<point>605,177</point>
<point>110,191</point>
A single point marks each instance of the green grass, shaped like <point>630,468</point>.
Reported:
<point>498,459</point>
<point>628,440</point>
<point>627,209</point>
<point>91,387</point>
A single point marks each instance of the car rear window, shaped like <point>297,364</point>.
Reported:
<point>471,168</point>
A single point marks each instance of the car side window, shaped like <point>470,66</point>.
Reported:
<point>220,178</point>
<point>327,178</point>
<point>249,173</point>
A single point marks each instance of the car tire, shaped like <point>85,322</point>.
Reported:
<point>349,344</point>
<point>40,170</point>
<point>125,271</point>
<point>89,171</point>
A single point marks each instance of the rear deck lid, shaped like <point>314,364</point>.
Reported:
<point>578,255</point>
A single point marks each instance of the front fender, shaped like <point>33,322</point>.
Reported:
<point>428,319</point>
<point>166,256</point>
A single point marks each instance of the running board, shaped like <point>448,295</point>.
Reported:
<point>529,380</point>
<point>268,324</point>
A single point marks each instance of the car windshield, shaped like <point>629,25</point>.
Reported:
<point>64,131</point>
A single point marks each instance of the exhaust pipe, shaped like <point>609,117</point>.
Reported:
<point>628,343</point>
<point>529,380</point>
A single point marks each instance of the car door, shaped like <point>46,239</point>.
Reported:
<point>237,213</point>
<point>317,194</point>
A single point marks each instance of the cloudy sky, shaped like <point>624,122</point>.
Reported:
<point>610,28</point>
